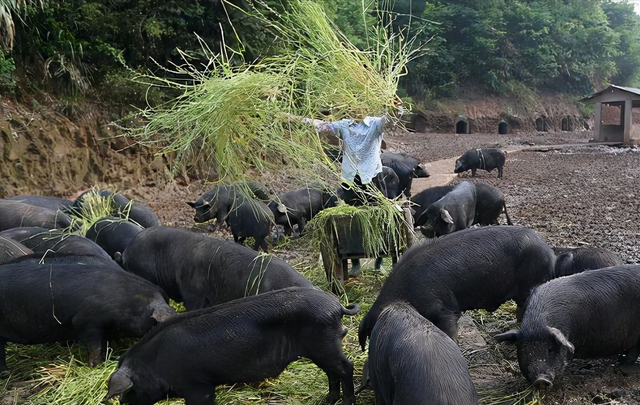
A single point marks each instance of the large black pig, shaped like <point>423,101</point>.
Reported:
<point>406,167</point>
<point>52,203</point>
<point>14,214</point>
<point>576,260</point>
<point>44,243</point>
<point>297,207</point>
<point>587,315</point>
<point>202,271</point>
<point>424,199</point>
<point>485,159</point>
<point>246,340</point>
<point>490,203</point>
<point>113,234</point>
<point>60,302</point>
<point>476,268</point>
<point>26,232</point>
<point>10,250</point>
<point>413,362</point>
<point>453,212</point>
<point>221,198</point>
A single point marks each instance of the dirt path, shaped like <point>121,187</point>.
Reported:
<point>441,171</point>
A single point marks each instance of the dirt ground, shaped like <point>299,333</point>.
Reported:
<point>580,195</point>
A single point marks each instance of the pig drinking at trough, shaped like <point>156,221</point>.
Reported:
<point>15,214</point>
<point>60,302</point>
<point>485,159</point>
<point>246,340</point>
<point>298,207</point>
<point>576,260</point>
<point>112,234</point>
<point>202,271</point>
<point>412,362</point>
<point>477,268</point>
<point>453,212</point>
<point>406,167</point>
<point>586,315</point>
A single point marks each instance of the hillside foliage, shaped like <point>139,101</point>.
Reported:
<point>76,49</point>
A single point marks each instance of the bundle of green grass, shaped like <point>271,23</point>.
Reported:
<point>239,116</point>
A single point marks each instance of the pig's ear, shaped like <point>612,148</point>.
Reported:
<point>446,217</point>
<point>192,204</point>
<point>120,382</point>
<point>561,338</point>
<point>510,336</point>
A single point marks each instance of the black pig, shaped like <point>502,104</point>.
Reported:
<point>490,203</point>
<point>477,268</point>
<point>202,271</point>
<point>246,340</point>
<point>52,203</point>
<point>113,234</point>
<point>453,212</point>
<point>14,214</point>
<point>424,199</point>
<point>586,315</point>
<point>406,167</point>
<point>413,362</point>
<point>576,260</point>
<point>10,250</point>
<point>485,159</point>
<point>387,182</point>
<point>60,302</point>
<point>221,198</point>
<point>45,243</point>
<point>298,207</point>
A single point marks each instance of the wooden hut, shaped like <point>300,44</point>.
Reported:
<point>617,114</point>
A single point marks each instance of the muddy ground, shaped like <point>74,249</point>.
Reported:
<point>579,195</point>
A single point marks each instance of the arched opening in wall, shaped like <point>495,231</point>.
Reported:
<point>541,124</point>
<point>565,124</point>
<point>503,128</point>
<point>570,124</point>
<point>462,125</point>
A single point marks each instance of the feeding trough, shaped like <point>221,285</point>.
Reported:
<point>348,236</point>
